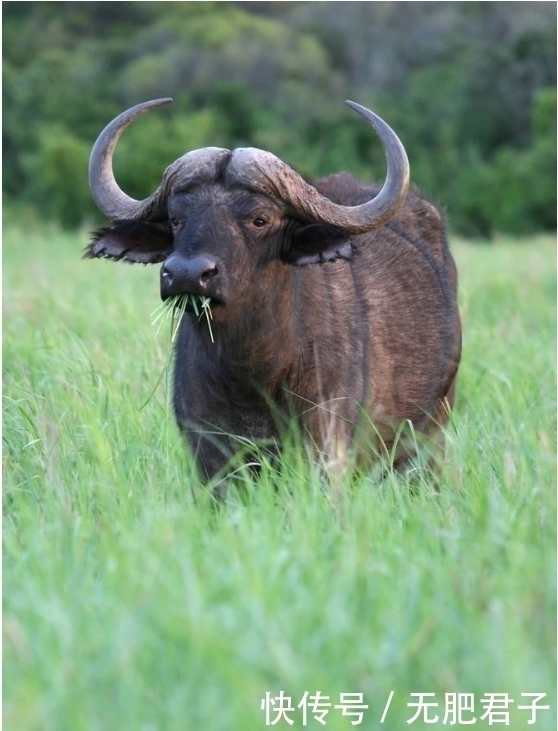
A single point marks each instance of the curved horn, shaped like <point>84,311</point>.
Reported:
<point>394,190</point>
<point>273,176</point>
<point>108,196</point>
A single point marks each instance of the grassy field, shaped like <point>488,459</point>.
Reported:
<point>127,606</point>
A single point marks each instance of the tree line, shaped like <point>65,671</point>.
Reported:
<point>470,87</point>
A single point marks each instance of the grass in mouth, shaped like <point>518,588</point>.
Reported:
<point>175,307</point>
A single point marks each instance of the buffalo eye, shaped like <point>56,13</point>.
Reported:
<point>175,223</point>
<point>259,222</point>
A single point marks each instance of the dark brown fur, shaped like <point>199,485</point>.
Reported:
<point>349,348</point>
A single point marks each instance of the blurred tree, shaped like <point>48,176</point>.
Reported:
<point>55,173</point>
<point>468,86</point>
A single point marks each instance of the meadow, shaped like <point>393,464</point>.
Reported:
<point>129,605</point>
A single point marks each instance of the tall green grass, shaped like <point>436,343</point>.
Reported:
<point>129,605</point>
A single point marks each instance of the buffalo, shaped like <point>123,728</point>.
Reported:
<point>333,305</point>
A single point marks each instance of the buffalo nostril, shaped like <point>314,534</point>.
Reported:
<point>208,274</point>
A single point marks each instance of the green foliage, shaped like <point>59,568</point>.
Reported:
<point>464,84</point>
<point>128,605</point>
<point>56,175</point>
<point>515,192</point>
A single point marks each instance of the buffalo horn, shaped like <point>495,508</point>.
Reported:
<point>108,196</point>
<point>267,173</point>
<point>255,168</point>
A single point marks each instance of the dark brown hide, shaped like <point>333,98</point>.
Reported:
<point>346,334</point>
<point>344,346</point>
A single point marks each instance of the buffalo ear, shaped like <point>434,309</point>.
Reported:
<point>133,241</point>
<point>316,244</point>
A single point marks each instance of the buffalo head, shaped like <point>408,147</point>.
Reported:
<point>218,215</point>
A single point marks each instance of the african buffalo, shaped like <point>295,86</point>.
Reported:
<point>333,305</point>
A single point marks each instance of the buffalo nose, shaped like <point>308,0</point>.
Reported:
<point>181,275</point>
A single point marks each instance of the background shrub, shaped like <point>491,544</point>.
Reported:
<point>470,88</point>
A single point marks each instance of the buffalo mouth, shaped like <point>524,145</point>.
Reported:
<point>197,306</point>
<point>194,303</point>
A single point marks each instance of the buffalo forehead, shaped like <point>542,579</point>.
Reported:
<point>195,167</point>
<point>261,171</point>
<point>246,167</point>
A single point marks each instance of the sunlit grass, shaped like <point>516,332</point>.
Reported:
<point>130,602</point>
